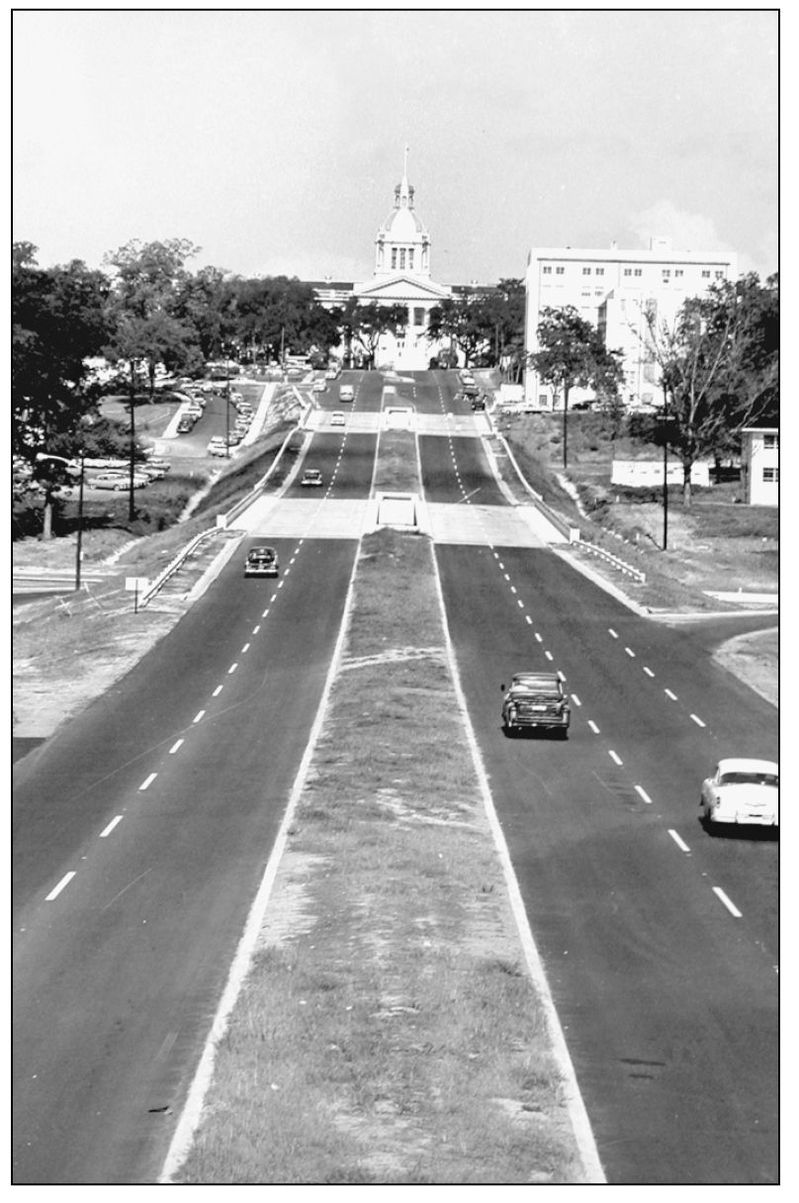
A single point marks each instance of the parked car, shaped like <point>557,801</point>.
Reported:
<point>741,792</point>
<point>478,402</point>
<point>217,445</point>
<point>117,481</point>
<point>261,561</point>
<point>319,386</point>
<point>346,393</point>
<point>311,478</point>
<point>186,424</point>
<point>331,374</point>
<point>536,699</point>
<point>337,418</point>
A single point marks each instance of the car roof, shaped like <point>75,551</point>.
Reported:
<point>536,678</point>
<point>735,764</point>
<point>262,551</point>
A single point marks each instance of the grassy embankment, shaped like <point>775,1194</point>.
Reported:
<point>388,1031</point>
<point>715,545</point>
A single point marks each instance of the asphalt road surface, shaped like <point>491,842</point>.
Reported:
<point>142,829</point>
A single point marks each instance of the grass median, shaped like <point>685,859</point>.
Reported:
<point>387,1031</point>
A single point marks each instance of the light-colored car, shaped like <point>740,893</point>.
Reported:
<point>337,418</point>
<point>311,478</point>
<point>346,393</point>
<point>117,481</point>
<point>319,386</point>
<point>217,445</point>
<point>331,374</point>
<point>741,792</point>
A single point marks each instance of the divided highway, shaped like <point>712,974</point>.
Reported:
<point>142,829</point>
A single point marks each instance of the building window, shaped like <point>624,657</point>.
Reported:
<point>771,442</point>
<point>418,317</point>
<point>586,271</point>
<point>393,256</point>
<point>705,275</point>
<point>679,273</point>
<point>628,271</point>
<point>559,271</point>
<point>599,271</point>
<point>547,271</point>
<point>599,292</point>
<point>637,271</point>
<point>719,275</point>
<point>402,258</point>
<point>771,475</point>
<point>410,258</point>
<point>666,273</point>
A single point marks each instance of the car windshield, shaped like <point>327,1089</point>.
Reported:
<point>749,778</point>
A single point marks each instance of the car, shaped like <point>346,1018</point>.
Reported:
<point>217,445</point>
<point>536,699</point>
<point>233,437</point>
<point>331,374</point>
<point>311,478</point>
<point>346,393</point>
<point>466,377</point>
<point>471,390</point>
<point>185,424</point>
<point>337,418</point>
<point>478,403</point>
<point>117,481</point>
<point>319,386</point>
<point>261,561</point>
<point>741,792</point>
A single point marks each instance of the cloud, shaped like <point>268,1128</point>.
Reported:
<point>687,231</point>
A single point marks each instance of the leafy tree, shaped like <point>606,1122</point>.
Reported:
<point>463,320</point>
<point>147,330</point>
<point>718,365</point>
<point>572,354</point>
<point>366,323</point>
<point>58,321</point>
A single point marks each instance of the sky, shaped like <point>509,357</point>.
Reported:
<point>274,140</point>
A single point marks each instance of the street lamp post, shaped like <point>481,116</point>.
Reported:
<point>79,543</point>
<point>665,468</point>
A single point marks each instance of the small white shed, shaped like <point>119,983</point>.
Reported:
<point>760,464</point>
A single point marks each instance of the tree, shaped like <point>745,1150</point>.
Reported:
<point>463,320</point>
<point>58,321</point>
<point>718,365</point>
<point>366,323</point>
<point>573,354</point>
<point>147,330</point>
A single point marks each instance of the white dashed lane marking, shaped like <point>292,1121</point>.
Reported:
<point>217,691</point>
<point>593,726</point>
<point>576,700</point>
<point>175,746</point>
<point>198,716</point>
<point>722,897</point>
<point>65,880</point>
<point>648,671</point>
<point>643,794</point>
<point>612,633</point>
<point>681,844</point>
<point>698,720</point>
<point>630,652</point>
<point>107,830</point>
<point>671,695</point>
<point>614,756</point>
<point>148,781</point>
<point>245,648</point>
<point>232,668</point>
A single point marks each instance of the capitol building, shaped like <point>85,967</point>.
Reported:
<point>401,276</point>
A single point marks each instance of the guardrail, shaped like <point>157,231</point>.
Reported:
<point>174,564</point>
<point>622,565</point>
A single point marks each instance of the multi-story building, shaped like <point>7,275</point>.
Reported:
<point>611,289</point>
<point>401,276</point>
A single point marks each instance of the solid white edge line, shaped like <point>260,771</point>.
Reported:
<point>148,781</point>
<point>722,897</point>
<point>681,844</point>
<point>107,830</point>
<point>65,880</point>
<point>581,1126</point>
<point>191,1114</point>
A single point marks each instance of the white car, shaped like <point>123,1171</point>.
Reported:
<point>319,386</point>
<point>311,478</point>
<point>337,418</point>
<point>742,792</point>
<point>217,446</point>
<point>346,393</point>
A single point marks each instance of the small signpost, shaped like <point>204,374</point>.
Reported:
<point>136,585</point>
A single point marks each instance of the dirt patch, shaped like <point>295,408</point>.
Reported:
<point>754,658</point>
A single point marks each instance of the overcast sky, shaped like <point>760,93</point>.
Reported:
<point>274,140</point>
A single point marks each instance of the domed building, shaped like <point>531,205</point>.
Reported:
<point>401,276</point>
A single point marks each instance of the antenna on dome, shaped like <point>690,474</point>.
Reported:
<point>405,164</point>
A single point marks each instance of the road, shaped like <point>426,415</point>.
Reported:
<point>164,797</point>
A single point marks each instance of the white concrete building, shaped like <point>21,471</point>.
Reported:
<point>610,289</point>
<point>760,464</point>
<point>401,276</point>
